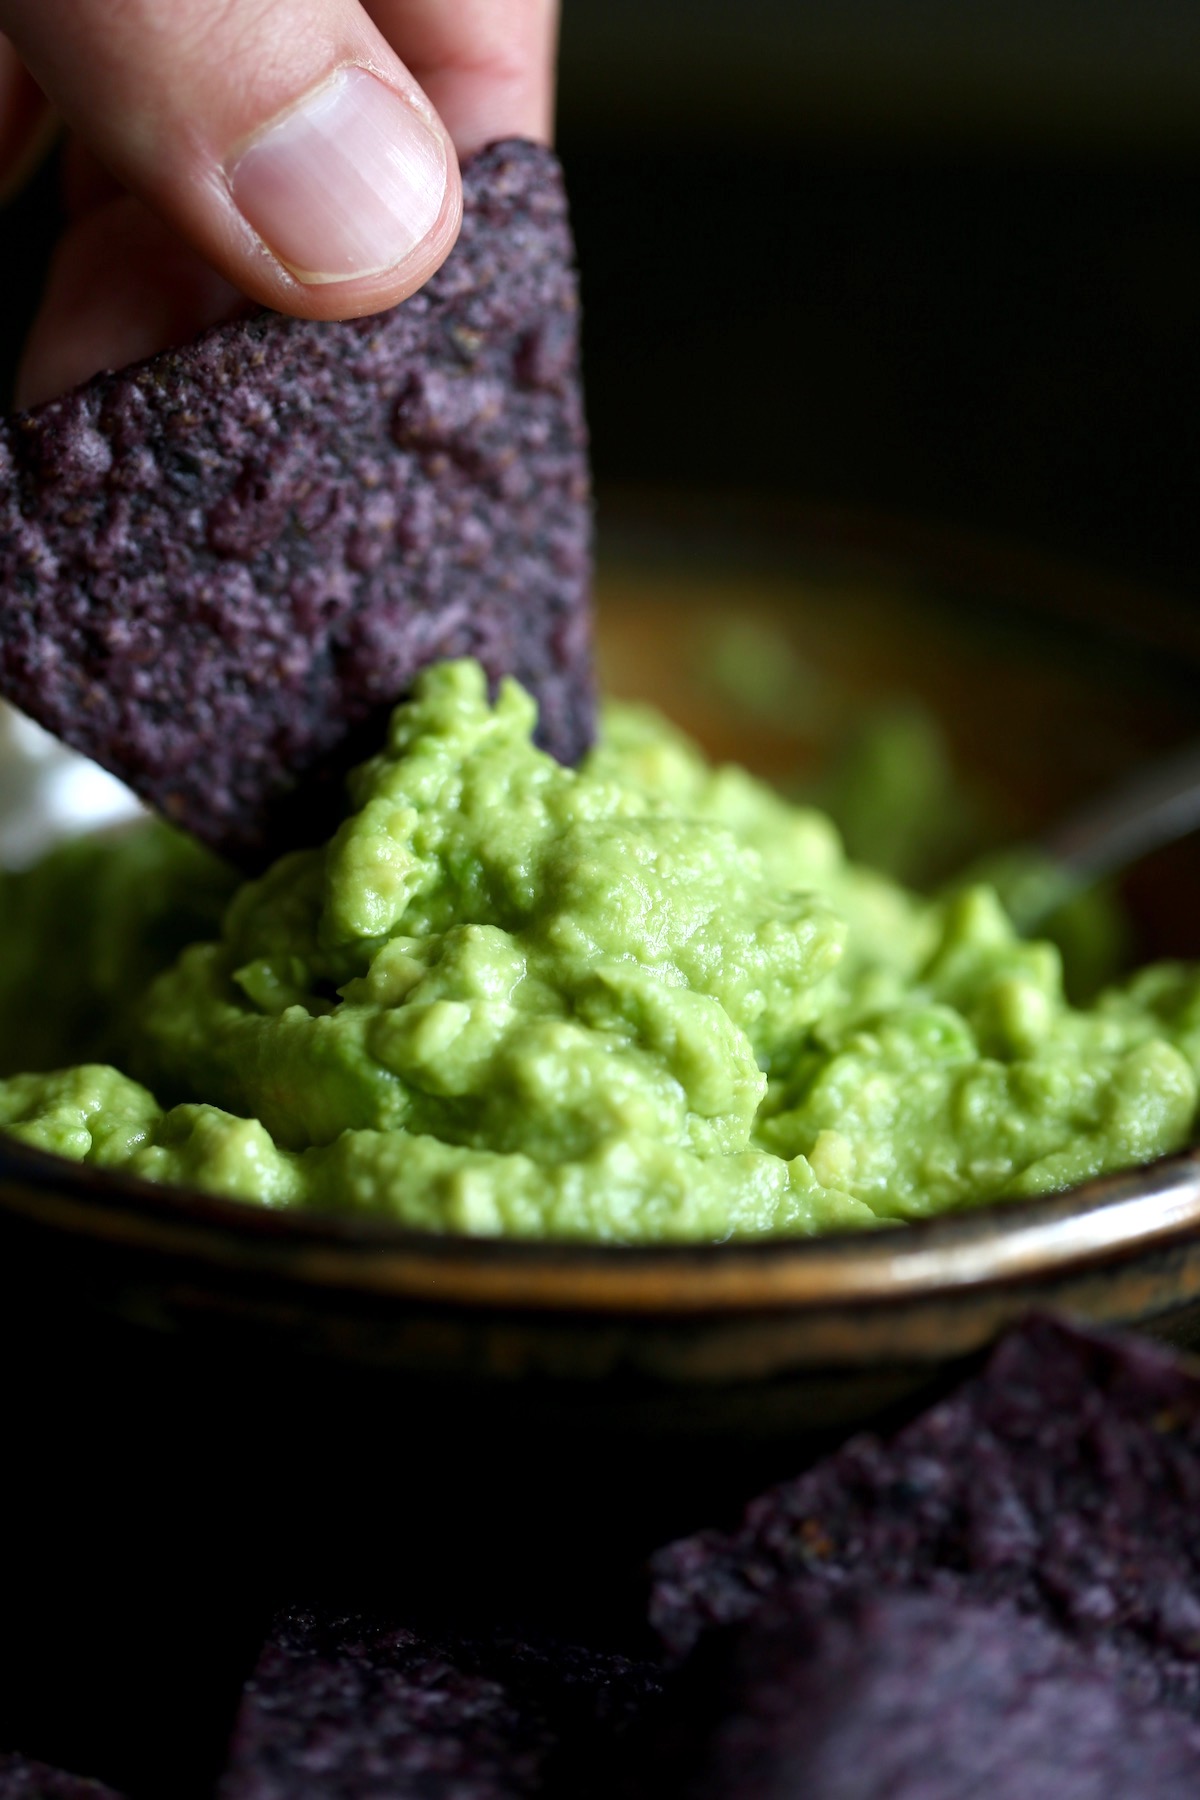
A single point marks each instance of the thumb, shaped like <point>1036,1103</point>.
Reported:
<point>284,139</point>
<point>26,124</point>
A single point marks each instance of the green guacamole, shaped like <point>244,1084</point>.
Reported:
<point>642,1001</point>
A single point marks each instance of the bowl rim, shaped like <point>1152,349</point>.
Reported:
<point>1003,1245</point>
<point>1000,1244</point>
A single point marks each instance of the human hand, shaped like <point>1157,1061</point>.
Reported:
<point>275,149</point>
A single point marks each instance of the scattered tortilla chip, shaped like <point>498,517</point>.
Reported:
<point>341,1706</point>
<point>220,568</point>
<point>1063,1481</point>
<point>841,1696</point>
<point>21,1779</point>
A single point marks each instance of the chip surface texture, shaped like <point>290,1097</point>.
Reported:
<point>342,1707</point>
<point>220,568</point>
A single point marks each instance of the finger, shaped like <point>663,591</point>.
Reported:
<point>286,142</point>
<point>26,124</point>
<point>487,65</point>
<point>122,285</point>
<point>85,181</point>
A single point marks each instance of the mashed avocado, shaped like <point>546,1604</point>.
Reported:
<point>641,1001</point>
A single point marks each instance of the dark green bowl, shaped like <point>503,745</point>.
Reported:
<point>1048,684</point>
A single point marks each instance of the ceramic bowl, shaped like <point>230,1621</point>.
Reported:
<point>1046,684</point>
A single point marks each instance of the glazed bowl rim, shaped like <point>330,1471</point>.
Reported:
<point>998,1246</point>
<point>1004,1242</point>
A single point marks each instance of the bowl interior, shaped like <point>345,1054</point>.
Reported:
<point>794,645</point>
<point>788,642</point>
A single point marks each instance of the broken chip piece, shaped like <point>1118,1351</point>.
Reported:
<point>1064,1480</point>
<point>343,1705</point>
<point>219,569</point>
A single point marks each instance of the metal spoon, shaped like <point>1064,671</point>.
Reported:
<point>1156,805</point>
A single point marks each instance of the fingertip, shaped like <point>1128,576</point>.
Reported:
<point>488,66</point>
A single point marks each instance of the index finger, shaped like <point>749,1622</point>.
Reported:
<point>25,120</point>
<point>486,65</point>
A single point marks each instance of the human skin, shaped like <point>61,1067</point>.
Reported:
<point>301,154</point>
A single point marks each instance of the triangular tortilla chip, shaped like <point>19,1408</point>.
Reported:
<point>220,568</point>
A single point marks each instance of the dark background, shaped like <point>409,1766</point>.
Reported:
<point>937,258</point>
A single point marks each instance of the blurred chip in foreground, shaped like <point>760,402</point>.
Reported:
<point>839,1695</point>
<point>21,1779</point>
<point>1063,1481</point>
<point>341,1706</point>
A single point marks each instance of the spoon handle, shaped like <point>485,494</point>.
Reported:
<point>1153,807</point>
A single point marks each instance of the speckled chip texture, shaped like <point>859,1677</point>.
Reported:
<point>1063,1482</point>
<point>21,1779</point>
<point>341,1707</point>
<point>839,1695</point>
<point>220,567</point>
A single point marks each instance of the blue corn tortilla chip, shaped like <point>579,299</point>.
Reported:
<point>21,1779</point>
<point>343,1706</point>
<point>220,568</point>
<point>1062,1482</point>
<point>836,1695</point>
